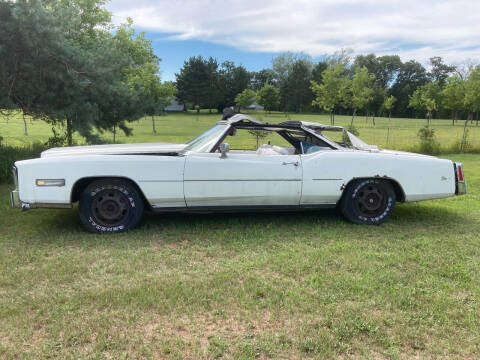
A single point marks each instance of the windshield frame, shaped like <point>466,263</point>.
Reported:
<point>208,140</point>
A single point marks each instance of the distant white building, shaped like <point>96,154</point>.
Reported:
<point>255,106</point>
<point>174,106</point>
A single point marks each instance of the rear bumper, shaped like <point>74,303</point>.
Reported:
<point>461,188</point>
<point>15,199</point>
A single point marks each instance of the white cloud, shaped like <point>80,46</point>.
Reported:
<point>415,29</point>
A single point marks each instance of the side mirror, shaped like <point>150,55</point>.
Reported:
<point>224,148</point>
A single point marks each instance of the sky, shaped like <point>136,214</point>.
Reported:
<point>252,32</point>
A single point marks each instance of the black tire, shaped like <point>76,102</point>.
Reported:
<point>110,206</point>
<point>368,201</point>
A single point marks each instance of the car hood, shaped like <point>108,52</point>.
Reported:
<point>117,149</point>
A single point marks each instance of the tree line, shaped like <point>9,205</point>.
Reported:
<point>339,84</point>
<point>65,62</point>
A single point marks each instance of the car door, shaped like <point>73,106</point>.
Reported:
<point>242,179</point>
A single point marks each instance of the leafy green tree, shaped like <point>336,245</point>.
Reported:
<point>318,70</point>
<point>295,89</point>
<point>385,68</point>
<point>291,71</point>
<point>53,70</point>
<point>388,106</point>
<point>261,78</point>
<point>453,95</point>
<point>162,96</point>
<point>426,98</point>
<point>245,98</point>
<point>232,81</point>
<point>362,90</point>
<point>439,71</point>
<point>333,91</point>
<point>472,93</point>
<point>410,76</point>
<point>269,97</point>
<point>197,82</point>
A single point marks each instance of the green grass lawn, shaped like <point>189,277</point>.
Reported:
<point>245,286</point>
<point>181,127</point>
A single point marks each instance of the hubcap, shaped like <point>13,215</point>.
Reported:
<point>110,207</point>
<point>370,200</point>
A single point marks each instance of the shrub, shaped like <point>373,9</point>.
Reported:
<point>428,143</point>
<point>10,154</point>
<point>353,129</point>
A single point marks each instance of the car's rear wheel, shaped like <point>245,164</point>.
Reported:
<point>368,201</point>
<point>110,205</point>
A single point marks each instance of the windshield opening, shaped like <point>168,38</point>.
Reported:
<point>205,141</point>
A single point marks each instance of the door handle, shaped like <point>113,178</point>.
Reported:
<point>294,163</point>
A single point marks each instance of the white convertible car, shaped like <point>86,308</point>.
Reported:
<point>311,166</point>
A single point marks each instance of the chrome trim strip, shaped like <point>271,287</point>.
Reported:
<point>327,179</point>
<point>149,181</point>
<point>50,206</point>
<point>245,180</point>
<point>240,208</point>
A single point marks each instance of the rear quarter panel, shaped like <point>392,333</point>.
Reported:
<point>326,173</point>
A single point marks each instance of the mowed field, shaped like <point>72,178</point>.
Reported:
<point>181,127</point>
<point>244,286</point>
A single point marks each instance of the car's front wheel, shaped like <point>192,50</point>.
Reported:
<point>110,205</point>
<point>368,201</point>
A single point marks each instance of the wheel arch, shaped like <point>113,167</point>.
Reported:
<point>399,192</point>
<point>82,183</point>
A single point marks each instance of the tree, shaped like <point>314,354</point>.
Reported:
<point>427,98</point>
<point>361,88</point>
<point>282,66</point>
<point>453,95</point>
<point>388,106</point>
<point>232,80</point>
<point>439,71</point>
<point>261,78</point>
<point>144,71</point>
<point>296,88</point>
<point>53,70</point>
<point>332,92</point>
<point>197,82</point>
<point>268,96</point>
<point>318,70</point>
<point>162,96</point>
<point>410,76</point>
<point>341,57</point>
<point>385,68</point>
<point>472,93</point>
<point>245,98</point>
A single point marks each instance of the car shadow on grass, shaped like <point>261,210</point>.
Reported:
<point>65,226</point>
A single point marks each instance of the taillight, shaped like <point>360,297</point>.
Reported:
<point>460,172</point>
<point>460,184</point>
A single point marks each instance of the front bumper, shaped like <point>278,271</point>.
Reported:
<point>16,202</point>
